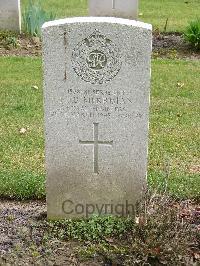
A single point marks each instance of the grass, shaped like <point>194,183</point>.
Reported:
<point>174,145</point>
<point>174,133</point>
<point>21,164</point>
<point>178,12</point>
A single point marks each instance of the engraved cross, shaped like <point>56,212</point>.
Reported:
<point>96,142</point>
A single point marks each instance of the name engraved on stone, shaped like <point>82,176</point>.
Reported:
<point>96,59</point>
<point>96,142</point>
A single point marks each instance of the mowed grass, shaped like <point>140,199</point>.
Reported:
<point>178,12</point>
<point>21,155</point>
<point>174,132</point>
<point>174,151</point>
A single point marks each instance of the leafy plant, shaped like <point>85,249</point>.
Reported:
<point>163,232</point>
<point>12,41</point>
<point>94,229</point>
<point>34,17</point>
<point>192,33</point>
<point>8,39</point>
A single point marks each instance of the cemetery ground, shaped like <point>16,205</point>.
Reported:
<point>27,237</point>
<point>174,132</point>
<point>166,228</point>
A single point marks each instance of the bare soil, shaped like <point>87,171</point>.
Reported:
<point>24,239</point>
<point>169,45</point>
<point>173,46</point>
<point>24,46</point>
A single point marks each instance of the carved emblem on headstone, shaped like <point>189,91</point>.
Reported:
<point>96,59</point>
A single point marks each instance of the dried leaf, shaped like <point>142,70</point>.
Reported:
<point>137,220</point>
<point>35,87</point>
<point>180,84</point>
<point>109,240</point>
<point>197,256</point>
<point>22,130</point>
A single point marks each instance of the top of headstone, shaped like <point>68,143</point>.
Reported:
<point>114,8</point>
<point>111,20</point>
<point>10,15</point>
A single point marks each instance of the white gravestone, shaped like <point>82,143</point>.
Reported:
<point>10,16</point>
<point>97,86</point>
<point>114,8</point>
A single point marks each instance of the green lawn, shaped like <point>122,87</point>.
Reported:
<point>174,133</point>
<point>179,12</point>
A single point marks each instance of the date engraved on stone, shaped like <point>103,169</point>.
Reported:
<point>96,59</point>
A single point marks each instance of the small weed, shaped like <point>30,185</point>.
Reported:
<point>6,34</point>
<point>158,236</point>
<point>162,233</point>
<point>93,229</point>
<point>12,41</point>
<point>8,39</point>
<point>166,24</point>
<point>192,33</point>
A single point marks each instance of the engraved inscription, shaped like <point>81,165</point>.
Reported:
<point>96,59</point>
<point>98,103</point>
<point>96,142</point>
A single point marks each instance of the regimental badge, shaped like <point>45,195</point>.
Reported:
<point>96,59</point>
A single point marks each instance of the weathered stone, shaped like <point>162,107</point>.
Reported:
<point>97,86</point>
<point>114,8</point>
<point>10,16</point>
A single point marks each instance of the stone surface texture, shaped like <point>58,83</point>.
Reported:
<point>10,15</point>
<point>97,87</point>
<point>114,8</point>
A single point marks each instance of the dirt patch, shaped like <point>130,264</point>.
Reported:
<point>169,45</point>
<point>173,46</point>
<point>24,238</point>
<point>194,169</point>
<point>21,45</point>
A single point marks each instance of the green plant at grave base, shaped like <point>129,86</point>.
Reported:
<point>95,228</point>
<point>157,235</point>
<point>8,39</point>
<point>12,41</point>
<point>192,33</point>
<point>34,16</point>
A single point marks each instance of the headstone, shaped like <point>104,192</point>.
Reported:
<point>114,8</point>
<point>10,16</point>
<point>97,86</point>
